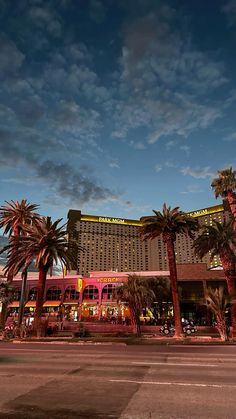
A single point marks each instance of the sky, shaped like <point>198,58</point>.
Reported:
<point>114,107</point>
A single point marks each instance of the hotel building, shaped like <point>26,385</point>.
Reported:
<point>114,244</point>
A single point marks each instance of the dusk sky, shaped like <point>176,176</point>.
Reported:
<point>116,106</point>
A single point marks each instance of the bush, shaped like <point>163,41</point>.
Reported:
<point>81,332</point>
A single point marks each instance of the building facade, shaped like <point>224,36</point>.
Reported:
<point>114,243</point>
<point>72,298</point>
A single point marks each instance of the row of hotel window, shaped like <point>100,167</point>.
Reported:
<point>90,292</point>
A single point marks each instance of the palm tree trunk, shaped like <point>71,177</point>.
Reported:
<point>135,323</point>
<point>231,285</point>
<point>22,297</point>
<point>230,274</point>
<point>40,300</point>
<point>173,278</point>
<point>3,316</point>
<point>221,327</point>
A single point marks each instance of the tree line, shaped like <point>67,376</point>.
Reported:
<point>35,238</point>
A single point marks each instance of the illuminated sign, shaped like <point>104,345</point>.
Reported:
<point>109,280</point>
<point>110,220</point>
<point>137,223</point>
<point>206,211</point>
<point>80,284</point>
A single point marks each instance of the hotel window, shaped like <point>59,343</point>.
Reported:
<point>107,292</point>
<point>53,293</point>
<point>90,293</point>
<point>71,293</point>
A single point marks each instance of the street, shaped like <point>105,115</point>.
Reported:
<point>116,381</point>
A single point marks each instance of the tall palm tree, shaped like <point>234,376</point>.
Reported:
<point>13,218</point>
<point>218,240</point>
<point>45,243</point>
<point>138,296</point>
<point>169,223</point>
<point>225,185</point>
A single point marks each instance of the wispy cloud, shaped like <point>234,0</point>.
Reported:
<point>176,77</point>
<point>192,189</point>
<point>230,137</point>
<point>197,173</point>
<point>158,168</point>
<point>114,165</point>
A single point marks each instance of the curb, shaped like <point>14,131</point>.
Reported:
<point>90,343</point>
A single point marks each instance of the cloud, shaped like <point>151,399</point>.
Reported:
<point>158,168</point>
<point>185,149</point>
<point>11,58</point>
<point>75,186</point>
<point>138,145</point>
<point>97,11</point>
<point>230,11</point>
<point>230,137</point>
<point>192,189</point>
<point>164,81</point>
<point>197,173</point>
<point>170,144</point>
<point>114,165</point>
<point>44,17</point>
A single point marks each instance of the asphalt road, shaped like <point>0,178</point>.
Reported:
<point>125,382</point>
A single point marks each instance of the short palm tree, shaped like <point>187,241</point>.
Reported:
<point>218,239</point>
<point>225,185</point>
<point>137,295</point>
<point>45,243</point>
<point>169,223</point>
<point>13,218</point>
<point>216,302</point>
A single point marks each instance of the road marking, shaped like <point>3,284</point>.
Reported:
<point>175,363</point>
<point>167,383</point>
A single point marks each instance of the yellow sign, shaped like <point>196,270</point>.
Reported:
<point>79,284</point>
<point>138,223</point>
<point>110,220</point>
<point>111,279</point>
<point>206,211</point>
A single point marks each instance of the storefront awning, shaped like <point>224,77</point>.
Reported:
<point>14,304</point>
<point>30,304</point>
<point>71,303</point>
<point>52,303</point>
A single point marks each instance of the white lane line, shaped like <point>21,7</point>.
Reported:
<point>175,363</point>
<point>167,383</point>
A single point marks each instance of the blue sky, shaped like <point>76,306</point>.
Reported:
<point>114,107</point>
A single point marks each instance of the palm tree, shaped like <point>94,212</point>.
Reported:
<point>136,293</point>
<point>45,243</point>
<point>13,218</point>
<point>217,302</point>
<point>169,223</point>
<point>218,240</point>
<point>224,186</point>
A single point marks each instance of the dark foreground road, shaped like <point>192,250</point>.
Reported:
<point>127,382</point>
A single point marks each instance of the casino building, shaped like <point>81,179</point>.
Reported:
<point>113,244</point>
